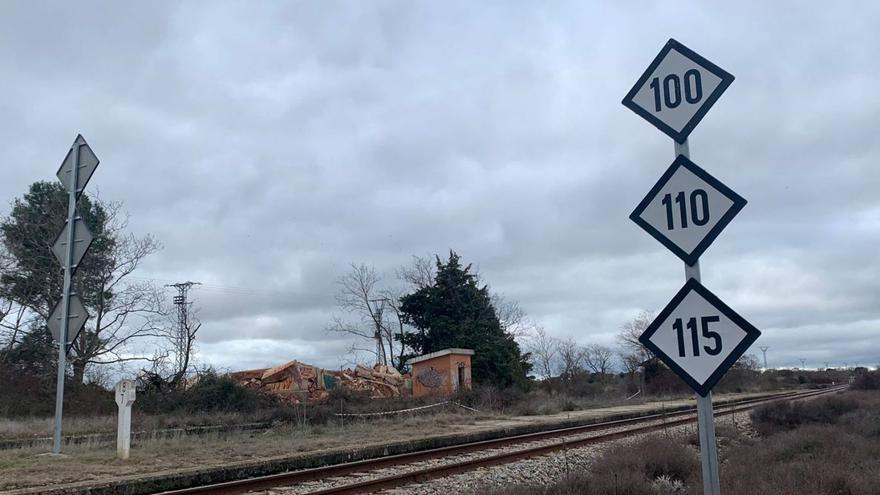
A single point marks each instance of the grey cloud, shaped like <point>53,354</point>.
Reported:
<point>270,145</point>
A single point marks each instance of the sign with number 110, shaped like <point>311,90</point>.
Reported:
<point>687,209</point>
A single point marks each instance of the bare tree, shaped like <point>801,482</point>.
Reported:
<point>543,349</point>
<point>125,310</point>
<point>419,274</point>
<point>182,336</point>
<point>598,358</point>
<point>395,324</point>
<point>571,358</point>
<point>630,333</point>
<point>121,310</point>
<point>630,362</point>
<point>632,353</point>
<point>511,316</point>
<point>15,318</point>
<point>359,295</point>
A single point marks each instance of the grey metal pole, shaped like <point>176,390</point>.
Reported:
<point>68,282</point>
<point>705,418</point>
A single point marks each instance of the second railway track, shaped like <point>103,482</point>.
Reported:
<point>370,475</point>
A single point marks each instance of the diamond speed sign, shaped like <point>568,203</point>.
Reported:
<point>687,209</point>
<point>698,336</point>
<point>77,320</point>
<point>677,90</point>
<point>88,162</point>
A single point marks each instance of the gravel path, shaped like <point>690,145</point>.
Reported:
<point>544,470</point>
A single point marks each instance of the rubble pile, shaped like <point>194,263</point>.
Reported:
<point>299,382</point>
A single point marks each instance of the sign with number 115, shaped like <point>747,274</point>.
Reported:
<point>698,336</point>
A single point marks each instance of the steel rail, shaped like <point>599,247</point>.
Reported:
<point>445,470</point>
<point>305,475</point>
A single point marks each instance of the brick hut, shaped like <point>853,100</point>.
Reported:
<point>441,373</point>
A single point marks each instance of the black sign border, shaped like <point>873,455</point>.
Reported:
<point>726,79</point>
<point>752,335</point>
<point>690,258</point>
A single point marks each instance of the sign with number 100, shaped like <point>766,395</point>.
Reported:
<point>672,89</point>
<point>677,90</point>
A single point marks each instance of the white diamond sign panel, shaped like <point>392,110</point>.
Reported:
<point>677,90</point>
<point>88,162</point>
<point>687,209</point>
<point>81,242</point>
<point>698,336</point>
<point>78,317</point>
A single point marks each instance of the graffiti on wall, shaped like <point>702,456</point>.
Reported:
<point>430,378</point>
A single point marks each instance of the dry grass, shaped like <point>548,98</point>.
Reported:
<point>92,462</point>
<point>78,425</point>
<point>41,427</point>
<point>825,446</point>
<point>96,462</point>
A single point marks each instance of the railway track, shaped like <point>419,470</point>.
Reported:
<point>366,476</point>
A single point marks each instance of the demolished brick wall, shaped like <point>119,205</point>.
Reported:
<point>298,382</point>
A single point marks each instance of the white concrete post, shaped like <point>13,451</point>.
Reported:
<point>125,395</point>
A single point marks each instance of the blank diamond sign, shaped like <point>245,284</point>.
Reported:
<point>88,162</point>
<point>687,209</point>
<point>81,242</point>
<point>698,336</point>
<point>78,317</point>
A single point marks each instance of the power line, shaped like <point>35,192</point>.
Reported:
<point>219,288</point>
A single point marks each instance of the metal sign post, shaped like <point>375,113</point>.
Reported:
<point>74,173</point>
<point>705,417</point>
<point>696,334</point>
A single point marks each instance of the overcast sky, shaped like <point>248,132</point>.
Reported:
<point>268,145</point>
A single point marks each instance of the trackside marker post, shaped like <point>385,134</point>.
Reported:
<point>125,395</point>
<point>696,334</point>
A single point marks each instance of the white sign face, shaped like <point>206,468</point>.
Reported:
<point>677,90</point>
<point>687,209</point>
<point>698,336</point>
